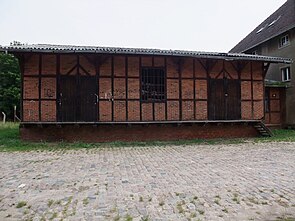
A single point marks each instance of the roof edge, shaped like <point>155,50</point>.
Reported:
<point>66,49</point>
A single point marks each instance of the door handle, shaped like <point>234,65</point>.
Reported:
<point>96,97</point>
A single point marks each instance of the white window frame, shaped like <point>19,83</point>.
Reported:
<point>284,41</point>
<point>286,70</point>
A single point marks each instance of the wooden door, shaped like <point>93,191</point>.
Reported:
<point>78,99</point>
<point>67,96</point>
<point>224,99</point>
<point>233,100</point>
<point>88,99</point>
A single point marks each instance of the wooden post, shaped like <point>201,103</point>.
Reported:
<point>4,117</point>
<point>14,113</point>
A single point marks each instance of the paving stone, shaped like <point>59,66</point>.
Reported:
<point>253,181</point>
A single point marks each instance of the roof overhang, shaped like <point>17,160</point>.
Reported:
<point>68,49</point>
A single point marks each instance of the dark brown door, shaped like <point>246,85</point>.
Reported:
<point>77,99</point>
<point>224,99</point>
<point>67,99</point>
<point>88,99</point>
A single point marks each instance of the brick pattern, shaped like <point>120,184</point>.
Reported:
<point>119,88</point>
<point>172,68</point>
<point>31,88</point>
<point>105,111</point>
<point>246,72</point>
<point>147,112</point>
<point>246,92</point>
<point>133,66</point>
<point>30,111</point>
<point>119,66</point>
<point>159,112</point>
<point>187,89</point>
<point>48,111</point>
<point>159,61</point>
<point>108,133</point>
<point>201,110</point>
<point>105,68</point>
<point>257,70</point>
<point>48,88</point>
<point>146,61</point>
<point>172,89</point>
<point>190,109</point>
<point>258,90</point>
<point>48,65</point>
<point>133,89</point>
<point>200,71</point>
<point>31,65</point>
<point>105,88</point>
<point>246,109</point>
<point>173,110</point>
<point>133,111</point>
<point>187,68</point>
<point>258,110</point>
<point>120,111</point>
<point>187,110</point>
<point>201,89</point>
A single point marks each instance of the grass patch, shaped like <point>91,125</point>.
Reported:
<point>10,141</point>
<point>50,203</point>
<point>285,219</point>
<point>21,204</point>
<point>85,201</point>
<point>279,135</point>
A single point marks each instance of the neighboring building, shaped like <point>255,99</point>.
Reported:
<point>276,37</point>
<point>107,94</point>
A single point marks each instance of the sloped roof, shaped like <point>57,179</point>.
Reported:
<point>279,22</point>
<point>46,48</point>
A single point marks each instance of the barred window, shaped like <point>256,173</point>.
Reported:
<point>153,84</point>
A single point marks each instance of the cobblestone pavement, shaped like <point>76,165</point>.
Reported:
<point>202,182</point>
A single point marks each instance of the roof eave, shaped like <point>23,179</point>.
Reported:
<point>221,56</point>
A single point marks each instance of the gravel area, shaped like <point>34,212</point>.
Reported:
<point>202,182</point>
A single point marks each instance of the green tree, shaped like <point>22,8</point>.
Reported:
<point>10,80</point>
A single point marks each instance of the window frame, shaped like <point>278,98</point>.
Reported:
<point>163,87</point>
<point>286,41</point>
<point>288,74</point>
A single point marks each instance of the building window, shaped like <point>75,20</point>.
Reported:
<point>284,41</point>
<point>286,74</point>
<point>153,85</point>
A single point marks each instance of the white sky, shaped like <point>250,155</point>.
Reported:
<point>202,25</point>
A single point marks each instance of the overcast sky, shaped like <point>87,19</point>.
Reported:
<point>202,25</point>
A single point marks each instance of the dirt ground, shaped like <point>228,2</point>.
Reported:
<point>201,182</point>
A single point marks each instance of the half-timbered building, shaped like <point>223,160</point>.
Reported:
<point>107,94</point>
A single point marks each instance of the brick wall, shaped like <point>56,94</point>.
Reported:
<point>39,88</point>
<point>107,133</point>
<point>119,86</point>
<point>252,91</point>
